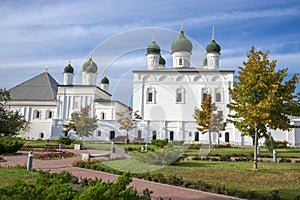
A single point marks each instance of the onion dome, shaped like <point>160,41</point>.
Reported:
<point>104,80</point>
<point>69,68</point>
<point>161,60</point>
<point>181,43</point>
<point>213,47</point>
<point>89,63</point>
<point>153,48</point>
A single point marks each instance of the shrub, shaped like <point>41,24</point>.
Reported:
<point>160,143</point>
<point>10,144</point>
<point>281,144</point>
<point>66,140</point>
<point>270,143</point>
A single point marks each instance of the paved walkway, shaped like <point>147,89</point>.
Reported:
<point>159,190</point>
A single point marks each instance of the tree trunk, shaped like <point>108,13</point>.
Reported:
<point>255,146</point>
<point>209,141</point>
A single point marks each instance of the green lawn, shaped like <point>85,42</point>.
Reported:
<point>284,177</point>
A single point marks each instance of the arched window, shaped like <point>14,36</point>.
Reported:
<point>180,61</point>
<point>154,135</point>
<point>150,95</point>
<point>179,95</point>
<point>42,135</point>
<point>218,97</point>
<point>204,93</point>
<point>139,134</point>
<point>204,96</point>
<point>196,136</point>
<point>49,114</point>
<point>36,114</point>
<point>99,133</point>
<point>226,137</point>
<point>102,115</point>
<point>171,135</point>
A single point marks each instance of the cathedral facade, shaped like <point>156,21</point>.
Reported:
<point>165,98</point>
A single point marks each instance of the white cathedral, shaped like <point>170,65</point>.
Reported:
<point>165,98</point>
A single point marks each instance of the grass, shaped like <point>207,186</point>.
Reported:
<point>8,175</point>
<point>284,177</point>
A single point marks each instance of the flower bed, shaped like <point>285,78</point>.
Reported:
<point>54,155</point>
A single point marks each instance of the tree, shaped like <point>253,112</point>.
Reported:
<point>261,99</point>
<point>11,122</point>
<point>82,123</point>
<point>126,121</point>
<point>207,120</point>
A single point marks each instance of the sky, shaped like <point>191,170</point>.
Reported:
<point>36,33</point>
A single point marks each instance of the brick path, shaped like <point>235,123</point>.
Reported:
<point>159,190</point>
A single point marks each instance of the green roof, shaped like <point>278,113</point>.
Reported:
<point>213,47</point>
<point>69,69</point>
<point>162,61</point>
<point>153,48</point>
<point>105,80</point>
<point>89,63</point>
<point>181,44</point>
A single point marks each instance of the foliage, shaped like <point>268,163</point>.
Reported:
<point>260,99</point>
<point>207,120</point>
<point>11,122</point>
<point>82,123</point>
<point>126,122</point>
<point>10,145</point>
<point>59,186</point>
<point>160,143</point>
<point>281,144</point>
<point>65,140</point>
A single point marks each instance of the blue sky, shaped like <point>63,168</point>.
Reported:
<point>35,33</point>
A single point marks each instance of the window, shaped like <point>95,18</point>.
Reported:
<point>150,95</point>
<point>49,114</point>
<point>102,115</point>
<point>180,61</point>
<point>139,134</point>
<point>112,135</point>
<point>99,133</point>
<point>42,135</point>
<point>36,114</point>
<point>179,95</point>
<point>196,136</point>
<point>171,135</point>
<point>226,137</point>
<point>204,96</point>
<point>218,97</point>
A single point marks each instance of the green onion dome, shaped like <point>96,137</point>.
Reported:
<point>161,60</point>
<point>153,48</point>
<point>181,44</point>
<point>89,63</point>
<point>213,47</point>
<point>69,68</point>
<point>104,80</point>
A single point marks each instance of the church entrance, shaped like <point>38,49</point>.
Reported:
<point>139,134</point>
<point>112,135</point>
<point>197,136</point>
<point>154,135</point>
<point>171,135</point>
<point>226,137</point>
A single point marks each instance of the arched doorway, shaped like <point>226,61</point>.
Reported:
<point>226,137</point>
<point>171,135</point>
<point>153,135</point>
<point>197,136</point>
<point>112,135</point>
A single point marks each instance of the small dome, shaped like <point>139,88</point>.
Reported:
<point>92,68</point>
<point>69,68</point>
<point>213,47</point>
<point>153,48</point>
<point>105,80</point>
<point>88,63</point>
<point>181,44</point>
<point>162,60</point>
